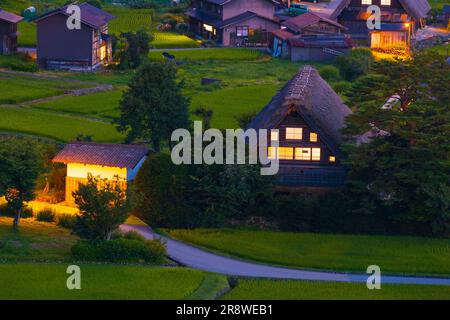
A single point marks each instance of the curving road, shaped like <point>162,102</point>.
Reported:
<point>197,258</point>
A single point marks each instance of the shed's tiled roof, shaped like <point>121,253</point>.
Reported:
<point>110,155</point>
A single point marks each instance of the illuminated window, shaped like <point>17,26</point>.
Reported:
<point>369,2</point>
<point>242,31</point>
<point>385,2</point>
<point>332,159</point>
<point>316,154</point>
<point>102,53</point>
<point>274,135</point>
<point>282,153</point>
<point>208,28</point>
<point>313,137</point>
<point>272,153</point>
<point>285,153</point>
<point>303,154</point>
<point>294,133</point>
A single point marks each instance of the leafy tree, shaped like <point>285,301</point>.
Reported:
<point>330,73</point>
<point>160,196</point>
<point>222,192</point>
<point>403,178</point>
<point>188,196</point>
<point>206,114</point>
<point>355,63</point>
<point>21,162</point>
<point>103,205</point>
<point>153,106</point>
<point>136,49</point>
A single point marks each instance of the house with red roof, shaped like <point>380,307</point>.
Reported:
<point>62,48</point>
<point>8,31</point>
<point>105,161</point>
<point>310,36</point>
<point>233,22</point>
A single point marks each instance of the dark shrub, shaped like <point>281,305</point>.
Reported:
<point>342,87</point>
<point>46,215</point>
<point>330,73</point>
<point>355,64</point>
<point>160,196</point>
<point>120,250</point>
<point>67,221</point>
<point>133,235</point>
<point>6,210</point>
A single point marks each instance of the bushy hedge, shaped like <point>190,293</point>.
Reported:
<point>187,196</point>
<point>355,63</point>
<point>330,73</point>
<point>46,215</point>
<point>18,62</point>
<point>120,250</point>
<point>67,221</point>
<point>342,87</point>
<point>7,211</point>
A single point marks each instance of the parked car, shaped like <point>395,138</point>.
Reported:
<point>297,9</point>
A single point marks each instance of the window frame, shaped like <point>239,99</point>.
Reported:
<point>300,154</point>
<point>366,2</point>
<point>242,28</point>
<point>294,133</point>
<point>274,135</point>
<point>314,156</point>
<point>386,3</point>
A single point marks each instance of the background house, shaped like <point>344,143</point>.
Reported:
<point>85,49</point>
<point>8,31</point>
<point>232,22</point>
<point>446,16</point>
<point>400,19</point>
<point>104,160</point>
<point>310,36</point>
<point>309,116</point>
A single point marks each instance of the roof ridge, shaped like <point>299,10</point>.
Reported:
<point>301,83</point>
<point>87,143</point>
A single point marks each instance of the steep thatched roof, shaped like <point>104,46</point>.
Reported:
<point>416,8</point>
<point>312,97</point>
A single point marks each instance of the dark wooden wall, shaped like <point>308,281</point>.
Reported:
<point>294,120</point>
<point>56,42</point>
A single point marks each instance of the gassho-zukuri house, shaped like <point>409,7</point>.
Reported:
<point>106,161</point>
<point>309,116</point>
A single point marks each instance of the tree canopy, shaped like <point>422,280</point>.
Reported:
<point>153,106</point>
<point>21,162</point>
<point>403,177</point>
<point>103,205</point>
